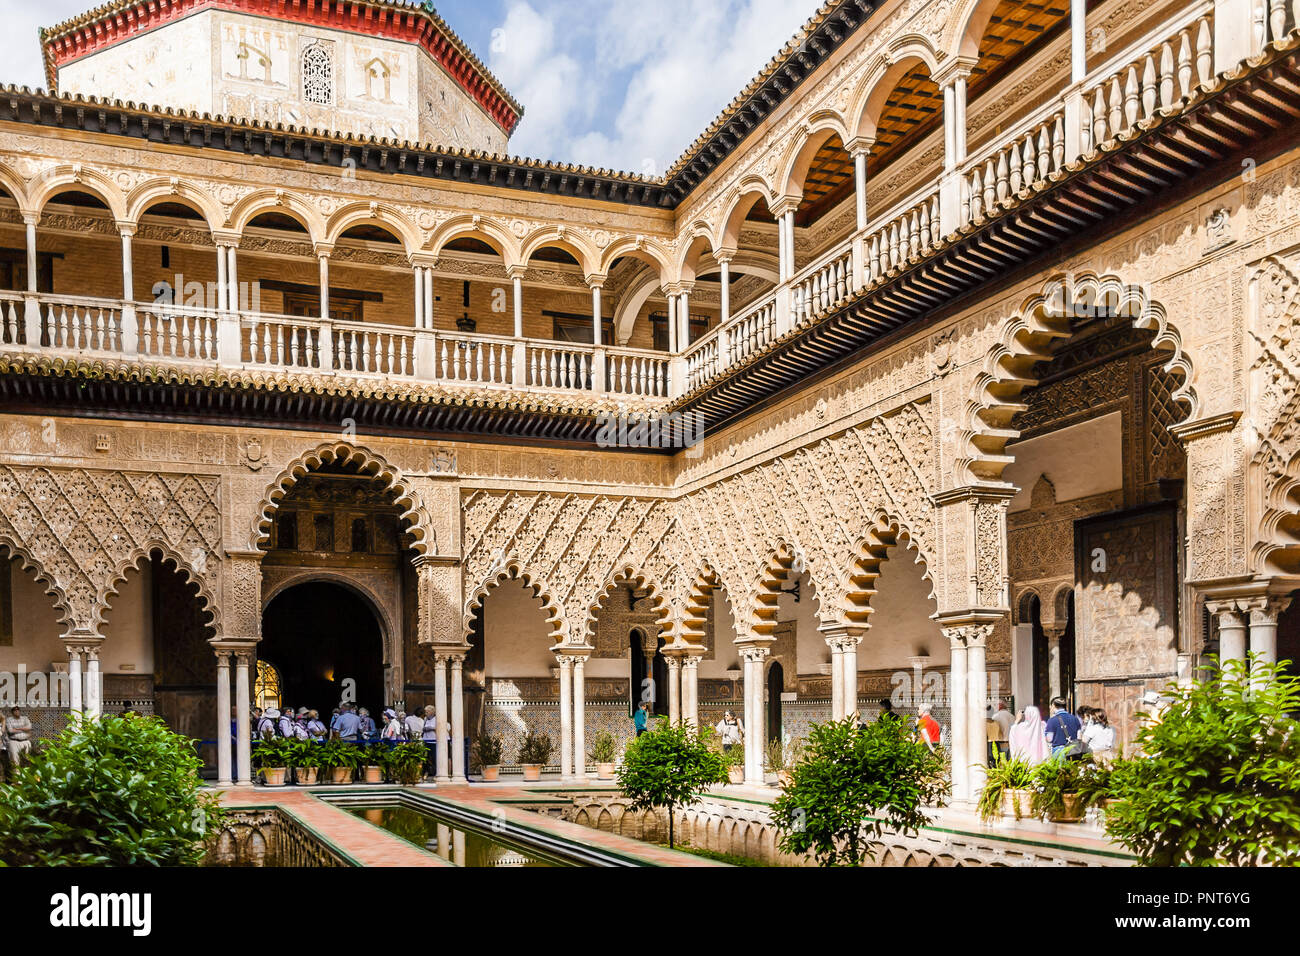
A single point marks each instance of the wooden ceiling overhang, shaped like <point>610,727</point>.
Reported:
<point>1247,114</point>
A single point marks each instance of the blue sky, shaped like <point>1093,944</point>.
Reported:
<point>625,84</point>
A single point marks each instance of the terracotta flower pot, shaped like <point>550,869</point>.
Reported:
<point>783,777</point>
<point>306,776</point>
<point>736,774</point>
<point>1015,804</point>
<point>374,775</point>
<point>1072,811</point>
<point>604,771</point>
<point>274,776</point>
<point>492,774</point>
<point>532,771</point>
<point>341,775</point>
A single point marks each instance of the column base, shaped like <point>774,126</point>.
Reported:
<point>445,779</point>
<point>225,783</point>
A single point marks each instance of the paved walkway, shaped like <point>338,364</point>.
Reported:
<point>370,845</point>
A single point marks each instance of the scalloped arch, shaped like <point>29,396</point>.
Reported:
<point>513,570</point>
<point>28,563</point>
<point>369,463</point>
<point>870,553</point>
<point>760,618</point>
<point>1024,339</point>
<point>627,574</point>
<point>208,604</point>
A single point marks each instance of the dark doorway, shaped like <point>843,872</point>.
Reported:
<point>775,687</point>
<point>318,636</point>
<point>658,671</point>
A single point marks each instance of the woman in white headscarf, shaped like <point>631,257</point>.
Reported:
<point>1028,740</point>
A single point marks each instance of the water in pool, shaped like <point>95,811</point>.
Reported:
<point>450,840</point>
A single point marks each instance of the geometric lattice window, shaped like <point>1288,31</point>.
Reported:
<point>317,75</point>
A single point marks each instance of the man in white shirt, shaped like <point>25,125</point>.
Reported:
<point>18,731</point>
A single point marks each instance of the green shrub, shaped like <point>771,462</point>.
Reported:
<point>338,753</point>
<point>535,749</point>
<point>604,749</point>
<point>406,763</point>
<point>488,749</point>
<point>853,782</point>
<point>118,791</point>
<point>1007,773</point>
<point>273,753</point>
<point>1053,779</point>
<point>1219,780</point>
<point>669,766</point>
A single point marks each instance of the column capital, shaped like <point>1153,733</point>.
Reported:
<point>860,145</point>
<point>225,239</point>
<point>785,204</point>
<point>968,634</point>
<point>724,255</point>
<point>516,270</point>
<point>956,68</point>
<point>423,260</point>
<point>1265,610</point>
<point>692,660</point>
<point>323,249</point>
<point>126,228</point>
<point>671,289</point>
<point>31,218</point>
<point>596,281</point>
<point>754,652</point>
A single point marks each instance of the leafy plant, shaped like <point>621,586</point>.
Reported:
<point>488,749</point>
<point>305,753</point>
<point>852,784</point>
<point>1053,779</point>
<point>406,762</point>
<point>117,791</point>
<point>374,755</point>
<point>1007,773</point>
<point>338,753</point>
<point>1094,786</point>
<point>604,748</point>
<point>670,766</point>
<point>1219,784</point>
<point>535,748</point>
<point>273,753</point>
<point>784,754</point>
<point>735,757</point>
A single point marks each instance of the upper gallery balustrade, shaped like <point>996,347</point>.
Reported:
<point>676,339</point>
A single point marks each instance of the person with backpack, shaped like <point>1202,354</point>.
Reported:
<point>1063,731</point>
<point>284,726</point>
<point>266,724</point>
<point>315,729</point>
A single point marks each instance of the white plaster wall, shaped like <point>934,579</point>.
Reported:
<point>212,62</point>
<point>516,640</point>
<point>1079,460</point>
<point>900,618</point>
<point>36,625</point>
<point>128,629</point>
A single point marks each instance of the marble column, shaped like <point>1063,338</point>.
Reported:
<point>243,712</point>
<point>442,761</point>
<point>457,718</point>
<point>1053,635</point>
<point>517,301</point>
<point>724,277</point>
<point>958,686</point>
<point>837,678</point>
<point>976,707</point>
<point>224,778</point>
<point>850,643</point>
<point>674,688</point>
<point>1263,614</point>
<point>691,690</point>
<point>579,718</point>
<point>1232,630</point>
<point>566,717</point>
<point>94,690</point>
<point>76,702</point>
<point>420,320</point>
<point>755,725</point>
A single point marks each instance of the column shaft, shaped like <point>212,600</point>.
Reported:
<point>566,718</point>
<point>420,322</point>
<point>579,719</point>
<point>957,695</point>
<point>128,281</point>
<point>517,300</point>
<point>1078,40</point>
<point>837,680</point>
<point>77,702</point>
<point>976,720</point>
<point>725,279</point>
<point>224,777</point>
<point>243,711</point>
<point>442,763</point>
<point>94,700</point>
<point>850,667</point>
<point>325,288</point>
<point>31,256</point>
<point>674,689</point>
<point>457,720</point>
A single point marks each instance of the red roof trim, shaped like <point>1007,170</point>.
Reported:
<point>344,15</point>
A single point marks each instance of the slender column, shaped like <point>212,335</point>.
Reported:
<point>949,128</point>
<point>243,711</point>
<point>837,678</point>
<point>959,95</point>
<point>850,657</point>
<point>691,690</point>
<point>1053,635</point>
<point>790,265</point>
<point>959,715</point>
<point>74,679</point>
<point>517,300</point>
<point>325,285</point>
<point>442,773</point>
<point>94,700</point>
<point>566,716</point>
<point>976,702</point>
<point>579,718</point>
<point>30,223</point>
<point>1078,40</point>
<point>1232,630</point>
<point>1263,632</point>
<point>128,281</point>
<point>222,284</point>
<point>672,321</point>
<point>232,276</point>
<point>457,718</point>
<point>420,322</point>
<point>755,729</point>
<point>674,688</point>
<point>224,778</point>
<point>596,330</point>
<point>724,276</point>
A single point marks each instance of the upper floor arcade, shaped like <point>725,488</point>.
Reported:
<point>902,159</point>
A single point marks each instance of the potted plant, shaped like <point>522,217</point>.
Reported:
<point>534,754</point>
<point>734,759</point>
<point>406,763</point>
<point>1056,790</point>
<point>339,759</point>
<point>487,751</point>
<point>271,757</point>
<point>782,756</point>
<point>603,753</point>
<point>374,760</point>
<point>1007,788</point>
<point>305,761</point>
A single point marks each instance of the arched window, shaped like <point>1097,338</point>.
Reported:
<point>317,75</point>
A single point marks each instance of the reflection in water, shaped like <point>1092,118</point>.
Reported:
<point>448,840</point>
